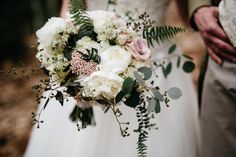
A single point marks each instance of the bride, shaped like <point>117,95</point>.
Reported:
<point>177,135</point>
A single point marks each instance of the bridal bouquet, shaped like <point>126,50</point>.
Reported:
<point>98,58</point>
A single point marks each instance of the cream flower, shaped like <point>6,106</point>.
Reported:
<point>115,59</point>
<point>102,84</point>
<point>48,32</point>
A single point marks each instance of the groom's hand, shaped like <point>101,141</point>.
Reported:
<point>217,43</point>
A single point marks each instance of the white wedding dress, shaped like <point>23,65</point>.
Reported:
<point>178,131</point>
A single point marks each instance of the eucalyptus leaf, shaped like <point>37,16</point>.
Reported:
<point>127,86</point>
<point>147,72</point>
<point>59,97</point>
<point>133,100</point>
<point>174,93</point>
<point>157,107</point>
<point>157,94</point>
<point>119,96</point>
<point>138,77</point>
<point>151,105</point>
<point>46,103</point>
<point>172,49</point>
<point>188,66</point>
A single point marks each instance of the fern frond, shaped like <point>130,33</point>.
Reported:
<point>77,10</point>
<point>77,6</point>
<point>143,121</point>
<point>161,33</point>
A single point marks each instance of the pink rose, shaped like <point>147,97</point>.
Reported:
<point>139,49</point>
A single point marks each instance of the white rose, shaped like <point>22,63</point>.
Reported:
<point>47,33</point>
<point>100,83</point>
<point>115,59</point>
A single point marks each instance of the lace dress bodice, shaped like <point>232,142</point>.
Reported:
<point>155,8</point>
<point>227,15</point>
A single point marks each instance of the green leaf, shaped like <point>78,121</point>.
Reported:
<point>127,86</point>
<point>151,105</point>
<point>178,61</point>
<point>188,66</point>
<point>147,72</point>
<point>172,49</point>
<point>119,96</point>
<point>46,103</point>
<point>174,93</point>
<point>166,71</point>
<point>85,115</point>
<point>157,94</point>
<point>59,97</point>
<point>160,33</point>
<point>157,107</point>
<point>138,77</point>
<point>133,100</point>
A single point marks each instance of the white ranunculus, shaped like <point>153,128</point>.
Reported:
<point>102,84</point>
<point>47,33</point>
<point>87,43</point>
<point>115,59</point>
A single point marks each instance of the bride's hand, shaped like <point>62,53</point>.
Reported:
<point>217,43</point>
<point>64,8</point>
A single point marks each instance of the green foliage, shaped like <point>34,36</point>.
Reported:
<point>127,86</point>
<point>146,71</point>
<point>138,77</point>
<point>85,116</point>
<point>160,33</point>
<point>92,55</point>
<point>77,6</point>
<point>77,9</point>
<point>143,124</point>
<point>153,105</point>
<point>59,97</point>
<point>157,94</point>
<point>134,99</point>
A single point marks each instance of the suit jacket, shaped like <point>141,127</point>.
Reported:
<point>193,5</point>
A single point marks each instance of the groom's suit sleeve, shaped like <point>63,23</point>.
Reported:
<point>193,5</point>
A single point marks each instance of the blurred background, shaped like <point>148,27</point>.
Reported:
<point>19,21</point>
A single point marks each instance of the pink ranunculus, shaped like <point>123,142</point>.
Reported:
<point>139,49</point>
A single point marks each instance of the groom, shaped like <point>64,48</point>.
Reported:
<point>218,113</point>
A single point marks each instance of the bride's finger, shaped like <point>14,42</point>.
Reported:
<point>214,56</point>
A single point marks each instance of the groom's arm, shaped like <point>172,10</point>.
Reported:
<point>205,19</point>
